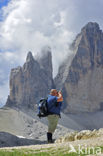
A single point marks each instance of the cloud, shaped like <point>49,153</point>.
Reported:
<point>28,25</point>
<point>3,92</point>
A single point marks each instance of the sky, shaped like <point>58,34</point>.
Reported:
<point>29,25</point>
<point>3,3</point>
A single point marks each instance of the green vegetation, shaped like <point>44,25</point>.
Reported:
<point>52,151</point>
<point>18,153</point>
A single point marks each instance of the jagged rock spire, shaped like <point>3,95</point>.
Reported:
<point>83,84</point>
<point>30,83</point>
<point>93,26</point>
<point>45,60</point>
<point>29,57</point>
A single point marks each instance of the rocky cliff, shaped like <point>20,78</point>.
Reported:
<point>82,80</point>
<point>30,82</point>
<point>80,76</point>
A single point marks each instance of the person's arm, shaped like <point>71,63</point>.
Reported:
<point>60,97</point>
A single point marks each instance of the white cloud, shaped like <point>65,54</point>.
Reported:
<point>28,25</point>
<point>31,24</point>
<point>3,92</point>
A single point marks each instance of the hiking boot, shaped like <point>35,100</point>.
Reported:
<point>49,138</point>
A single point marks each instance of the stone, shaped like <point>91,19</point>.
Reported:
<point>82,88</point>
<point>31,82</point>
<point>10,140</point>
<point>82,135</point>
<point>80,76</point>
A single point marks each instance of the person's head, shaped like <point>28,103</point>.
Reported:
<point>54,92</point>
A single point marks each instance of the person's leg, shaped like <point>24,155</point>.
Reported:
<point>52,124</point>
<point>49,137</point>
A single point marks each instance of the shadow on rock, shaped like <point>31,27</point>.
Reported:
<point>10,140</point>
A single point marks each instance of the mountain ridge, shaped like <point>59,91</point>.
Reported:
<point>86,66</point>
<point>76,75</point>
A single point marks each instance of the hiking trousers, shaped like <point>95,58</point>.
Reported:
<point>52,122</point>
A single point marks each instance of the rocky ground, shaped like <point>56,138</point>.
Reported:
<point>31,130</point>
<point>26,124</point>
<point>98,141</point>
<point>94,142</point>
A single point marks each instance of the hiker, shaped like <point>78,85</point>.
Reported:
<point>54,106</point>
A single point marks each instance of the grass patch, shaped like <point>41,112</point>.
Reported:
<point>52,151</point>
<point>17,153</point>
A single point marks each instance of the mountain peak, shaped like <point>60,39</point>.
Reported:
<point>29,57</point>
<point>91,27</point>
<point>45,60</point>
<point>45,52</point>
<point>78,78</point>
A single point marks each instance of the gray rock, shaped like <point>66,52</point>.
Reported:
<point>82,88</point>
<point>10,140</point>
<point>80,76</point>
<point>30,82</point>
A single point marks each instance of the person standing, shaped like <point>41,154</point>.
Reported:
<point>54,101</point>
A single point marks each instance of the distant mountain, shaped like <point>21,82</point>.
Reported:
<point>80,77</point>
<point>82,80</point>
<point>31,82</point>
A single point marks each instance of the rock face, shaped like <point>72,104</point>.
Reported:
<point>30,82</point>
<point>82,84</point>
<point>45,62</point>
<point>80,76</point>
<point>10,140</point>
